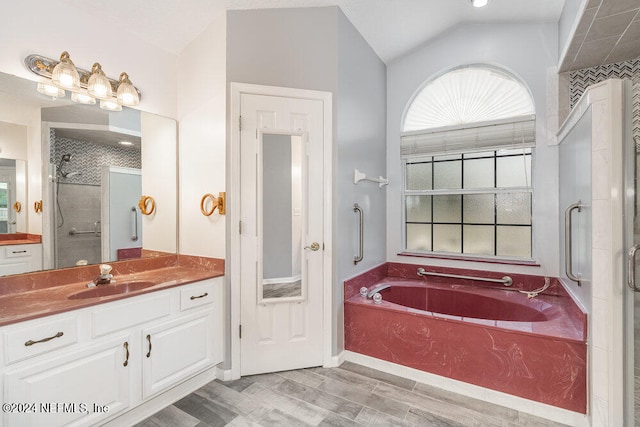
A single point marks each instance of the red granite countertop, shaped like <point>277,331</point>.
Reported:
<point>39,294</point>
<point>19,239</point>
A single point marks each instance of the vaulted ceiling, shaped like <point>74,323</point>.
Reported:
<point>391,27</point>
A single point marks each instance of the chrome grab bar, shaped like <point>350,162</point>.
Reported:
<point>134,236</point>
<point>357,259</point>
<point>631,268</point>
<point>74,232</point>
<point>506,280</point>
<point>568,264</point>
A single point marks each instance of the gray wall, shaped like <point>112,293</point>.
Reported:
<point>361,128</point>
<point>319,49</point>
<point>527,50</point>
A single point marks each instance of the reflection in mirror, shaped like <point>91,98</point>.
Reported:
<point>53,128</point>
<point>8,181</point>
<point>13,169</point>
<point>97,182</point>
<point>281,216</point>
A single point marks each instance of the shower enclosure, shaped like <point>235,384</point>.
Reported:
<point>95,187</point>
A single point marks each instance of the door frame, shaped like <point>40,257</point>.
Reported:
<point>233,203</point>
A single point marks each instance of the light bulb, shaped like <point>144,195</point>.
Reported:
<point>127,93</point>
<point>99,85</point>
<point>479,3</point>
<point>108,105</point>
<point>65,74</point>
<point>81,98</point>
<point>50,90</point>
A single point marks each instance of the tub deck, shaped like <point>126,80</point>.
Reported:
<point>542,358</point>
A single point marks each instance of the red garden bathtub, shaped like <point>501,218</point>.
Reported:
<point>479,333</point>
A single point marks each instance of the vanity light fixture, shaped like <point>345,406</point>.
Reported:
<point>86,87</point>
<point>479,3</point>
<point>51,90</point>
<point>64,74</point>
<point>99,85</point>
<point>81,98</point>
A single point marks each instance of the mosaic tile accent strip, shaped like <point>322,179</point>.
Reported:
<point>88,158</point>
<point>580,80</point>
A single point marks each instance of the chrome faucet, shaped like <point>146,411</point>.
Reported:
<point>104,278</point>
<point>377,289</point>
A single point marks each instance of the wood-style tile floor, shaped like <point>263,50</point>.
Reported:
<point>351,395</point>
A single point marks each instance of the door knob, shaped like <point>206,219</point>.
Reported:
<point>314,246</point>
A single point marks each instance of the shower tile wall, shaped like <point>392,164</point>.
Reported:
<point>79,195</point>
<point>581,79</point>
<point>80,205</point>
<point>88,158</point>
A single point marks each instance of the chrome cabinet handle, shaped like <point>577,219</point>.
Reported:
<point>126,348</point>
<point>149,339</point>
<point>200,296</point>
<point>631,268</point>
<point>314,246</point>
<point>568,267</point>
<point>358,258</point>
<point>31,342</point>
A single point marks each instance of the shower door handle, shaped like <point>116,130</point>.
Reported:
<point>568,267</point>
<point>134,236</point>
<point>631,268</point>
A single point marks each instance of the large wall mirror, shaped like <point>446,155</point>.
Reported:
<point>94,166</point>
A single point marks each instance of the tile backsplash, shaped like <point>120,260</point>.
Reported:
<point>580,80</point>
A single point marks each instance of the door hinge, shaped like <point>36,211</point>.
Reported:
<point>239,227</point>
<point>240,123</point>
<point>240,331</point>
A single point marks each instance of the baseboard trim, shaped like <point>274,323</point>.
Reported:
<point>487,395</point>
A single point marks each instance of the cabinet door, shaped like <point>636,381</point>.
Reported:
<point>176,350</point>
<point>79,388</point>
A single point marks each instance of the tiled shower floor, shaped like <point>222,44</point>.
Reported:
<point>351,395</point>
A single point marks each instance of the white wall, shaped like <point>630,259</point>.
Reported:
<point>202,135</point>
<point>50,27</point>
<point>160,181</point>
<point>527,50</point>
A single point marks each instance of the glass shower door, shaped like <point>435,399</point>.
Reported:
<point>633,291</point>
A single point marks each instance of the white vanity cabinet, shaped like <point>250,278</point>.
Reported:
<point>79,387</point>
<point>88,366</point>
<point>16,259</point>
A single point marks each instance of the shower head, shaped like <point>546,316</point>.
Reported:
<point>65,158</point>
<point>69,174</point>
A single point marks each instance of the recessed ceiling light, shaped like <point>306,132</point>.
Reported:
<point>125,143</point>
<point>479,3</point>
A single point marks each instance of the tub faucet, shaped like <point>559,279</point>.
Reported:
<point>104,278</point>
<point>377,289</point>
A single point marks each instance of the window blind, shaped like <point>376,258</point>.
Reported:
<point>514,133</point>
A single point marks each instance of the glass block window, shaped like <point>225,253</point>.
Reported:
<point>471,203</point>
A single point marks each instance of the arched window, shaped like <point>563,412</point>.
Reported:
<point>466,146</point>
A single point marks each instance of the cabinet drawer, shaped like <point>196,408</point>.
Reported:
<point>40,337</point>
<point>17,251</point>
<point>124,315</point>
<point>196,295</point>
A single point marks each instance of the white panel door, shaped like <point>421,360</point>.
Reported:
<point>282,175</point>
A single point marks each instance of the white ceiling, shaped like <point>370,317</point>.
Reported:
<point>391,27</point>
